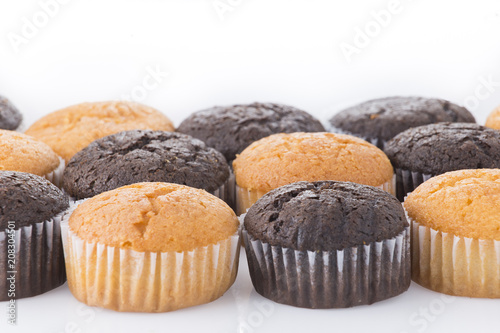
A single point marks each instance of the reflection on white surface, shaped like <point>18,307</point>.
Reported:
<point>241,309</point>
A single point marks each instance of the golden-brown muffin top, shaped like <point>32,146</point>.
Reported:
<point>493,120</point>
<point>282,159</point>
<point>156,217</point>
<point>20,152</point>
<point>464,203</point>
<point>71,129</point>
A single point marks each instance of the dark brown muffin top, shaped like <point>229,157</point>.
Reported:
<point>10,117</point>
<point>27,199</point>
<point>231,129</point>
<point>325,216</point>
<point>438,148</point>
<point>144,156</point>
<point>384,118</point>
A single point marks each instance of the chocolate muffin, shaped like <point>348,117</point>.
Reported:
<point>327,244</point>
<point>379,120</point>
<point>29,227</point>
<point>422,152</point>
<point>146,156</point>
<point>10,117</point>
<point>230,129</point>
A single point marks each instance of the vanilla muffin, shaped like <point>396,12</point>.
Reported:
<point>69,130</point>
<point>166,246</point>
<point>456,232</point>
<point>493,120</point>
<point>23,153</point>
<point>282,159</point>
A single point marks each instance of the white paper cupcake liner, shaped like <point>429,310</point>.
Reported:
<point>454,265</point>
<point>226,191</point>
<point>330,279</point>
<point>379,143</point>
<point>56,176</point>
<point>407,181</point>
<point>245,198</point>
<point>128,280</point>
<point>38,258</point>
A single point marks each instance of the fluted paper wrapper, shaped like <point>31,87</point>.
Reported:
<point>330,279</point>
<point>407,181</point>
<point>39,260</point>
<point>245,198</point>
<point>128,280</point>
<point>454,265</point>
<point>226,191</point>
<point>379,143</point>
<point>56,176</point>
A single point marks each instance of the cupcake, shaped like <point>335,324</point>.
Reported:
<point>379,120</point>
<point>327,244</point>
<point>147,156</point>
<point>31,260</point>
<point>69,130</point>
<point>455,221</point>
<point>150,247</point>
<point>422,152</point>
<point>282,159</point>
<point>10,117</point>
<point>493,120</point>
<point>231,129</point>
<point>20,152</point>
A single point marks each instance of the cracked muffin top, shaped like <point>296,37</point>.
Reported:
<point>69,130</point>
<point>156,217</point>
<point>464,203</point>
<point>325,216</point>
<point>10,117</point>
<point>439,148</point>
<point>27,199</point>
<point>20,152</point>
<point>144,156</point>
<point>282,159</point>
<point>230,129</point>
<point>384,118</point>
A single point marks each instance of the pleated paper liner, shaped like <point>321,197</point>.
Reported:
<point>330,279</point>
<point>38,256</point>
<point>454,265</point>
<point>132,281</point>
<point>407,181</point>
<point>379,143</point>
<point>56,176</point>
<point>245,198</point>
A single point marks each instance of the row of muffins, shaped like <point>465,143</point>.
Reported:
<point>289,158</point>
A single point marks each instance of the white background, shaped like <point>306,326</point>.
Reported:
<point>285,51</point>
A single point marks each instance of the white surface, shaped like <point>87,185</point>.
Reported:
<point>286,51</point>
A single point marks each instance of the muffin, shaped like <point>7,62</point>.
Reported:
<point>379,120</point>
<point>31,259</point>
<point>282,159</point>
<point>493,120</point>
<point>69,130</point>
<point>327,244</point>
<point>231,129</point>
<point>146,156</point>
<point>20,152</point>
<point>150,247</point>
<point>456,233</point>
<point>422,152</point>
<point>10,117</point>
